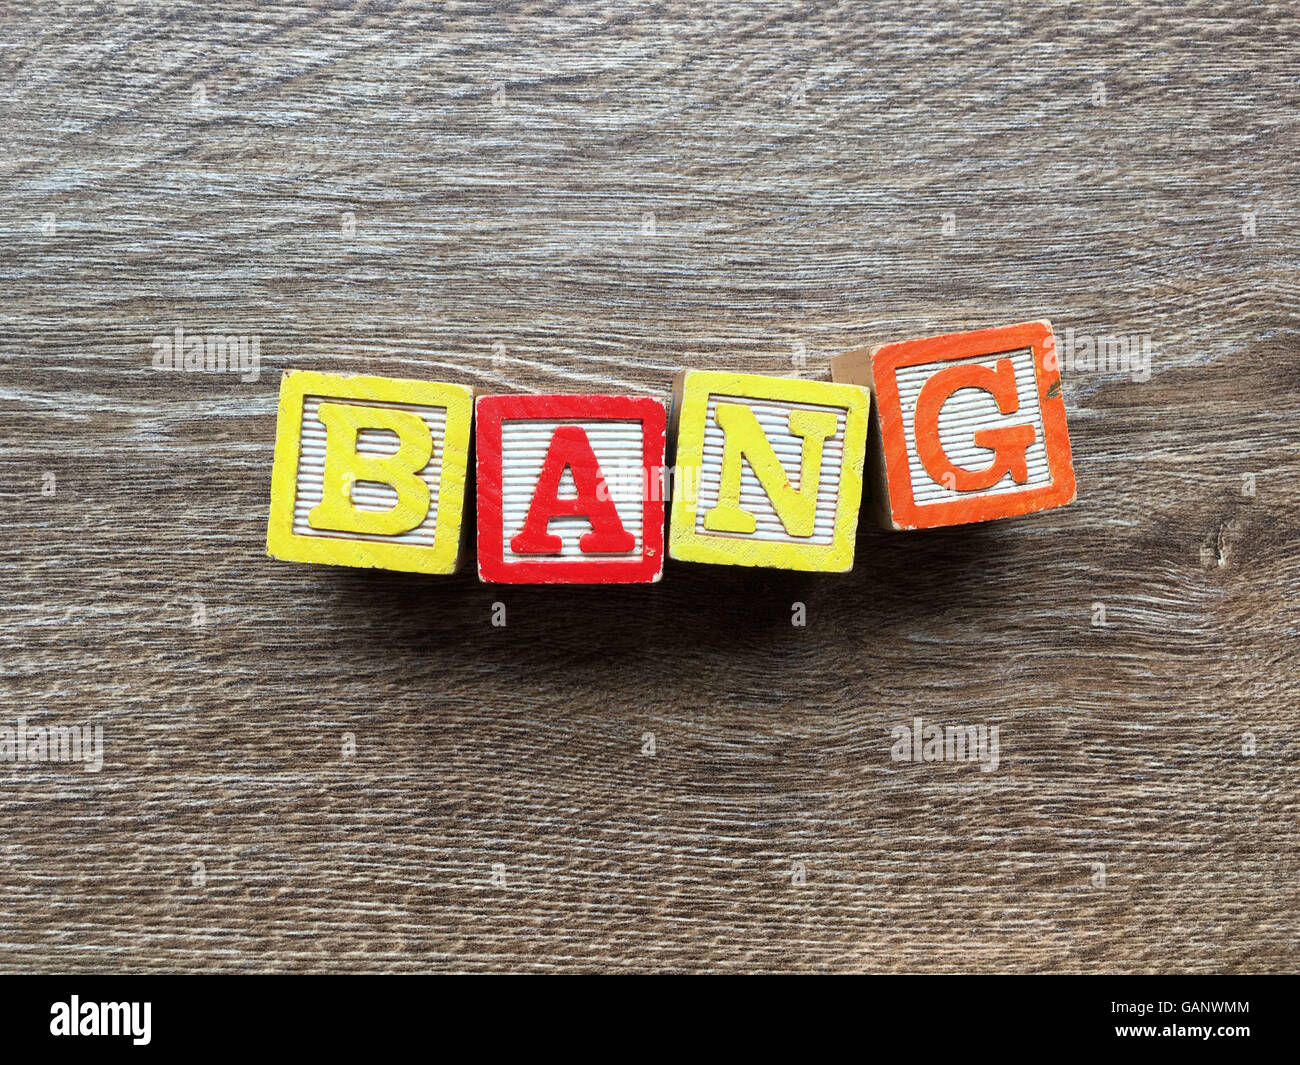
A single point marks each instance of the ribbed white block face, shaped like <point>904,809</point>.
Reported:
<point>967,411</point>
<point>618,447</point>
<point>774,418</point>
<point>366,495</point>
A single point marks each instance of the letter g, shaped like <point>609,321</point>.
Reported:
<point>1009,443</point>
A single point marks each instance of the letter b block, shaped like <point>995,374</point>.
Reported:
<point>369,472</point>
<point>769,471</point>
<point>570,489</point>
<point>966,427</point>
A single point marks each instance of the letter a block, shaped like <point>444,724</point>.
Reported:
<point>769,471</point>
<point>370,472</point>
<point>971,426</point>
<point>570,489</point>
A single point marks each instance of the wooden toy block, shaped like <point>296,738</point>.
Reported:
<point>570,489</point>
<point>370,472</point>
<point>769,471</point>
<point>965,427</point>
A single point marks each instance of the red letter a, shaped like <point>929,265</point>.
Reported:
<point>570,448</point>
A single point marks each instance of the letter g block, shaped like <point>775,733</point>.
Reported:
<point>370,472</point>
<point>966,427</point>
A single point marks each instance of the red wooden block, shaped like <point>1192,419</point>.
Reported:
<point>965,427</point>
<point>570,489</point>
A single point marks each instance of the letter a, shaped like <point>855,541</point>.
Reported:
<point>570,449</point>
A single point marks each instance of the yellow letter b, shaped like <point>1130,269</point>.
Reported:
<point>344,467</point>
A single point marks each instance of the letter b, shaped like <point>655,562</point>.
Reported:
<point>345,466</point>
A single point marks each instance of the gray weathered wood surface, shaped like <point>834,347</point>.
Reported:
<point>574,197</point>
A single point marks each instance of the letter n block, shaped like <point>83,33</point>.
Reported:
<point>769,471</point>
<point>966,427</point>
<point>570,489</point>
<point>370,472</point>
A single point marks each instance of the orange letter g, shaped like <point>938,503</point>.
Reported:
<point>1009,443</point>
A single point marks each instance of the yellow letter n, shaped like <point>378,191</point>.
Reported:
<point>345,466</point>
<point>744,438</point>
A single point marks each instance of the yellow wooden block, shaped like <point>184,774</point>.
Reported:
<point>768,470</point>
<point>370,472</point>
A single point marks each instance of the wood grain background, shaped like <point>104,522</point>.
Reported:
<point>577,197</point>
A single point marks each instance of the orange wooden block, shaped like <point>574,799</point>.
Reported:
<point>965,427</point>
